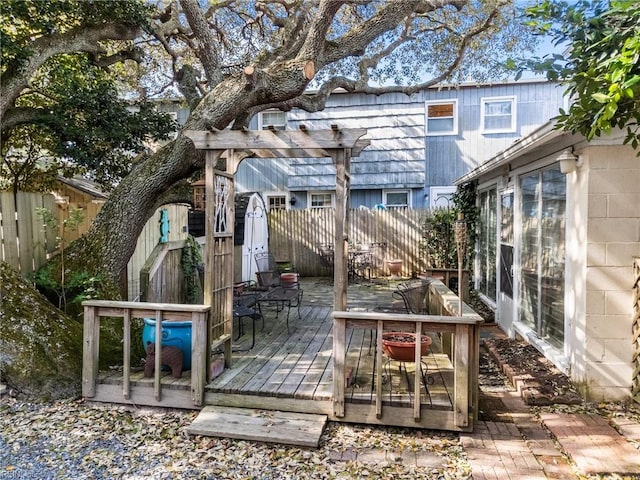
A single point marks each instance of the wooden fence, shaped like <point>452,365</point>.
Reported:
<point>294,235</point>
<point>24,242</point>
<point>635,333</point>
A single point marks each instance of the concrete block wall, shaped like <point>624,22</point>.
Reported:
<point>613,239</point>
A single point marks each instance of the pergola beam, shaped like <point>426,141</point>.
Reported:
<point>276,139</point>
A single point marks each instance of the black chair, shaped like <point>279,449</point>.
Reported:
<point>327,256</point>
<point>267,271</point>
<point>414,296</point>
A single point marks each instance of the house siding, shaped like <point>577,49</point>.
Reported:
<point>401,155</point>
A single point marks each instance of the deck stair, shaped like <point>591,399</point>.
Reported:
<point>271,426</point>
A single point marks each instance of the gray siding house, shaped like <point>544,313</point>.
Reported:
<point>419,144</point>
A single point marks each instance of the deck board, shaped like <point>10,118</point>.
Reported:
<point>259,425</point>
<point>295,377</point>
<point>295,365</point>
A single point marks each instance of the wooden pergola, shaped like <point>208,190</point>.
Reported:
<point>225,150</point>
<point>453,405</point>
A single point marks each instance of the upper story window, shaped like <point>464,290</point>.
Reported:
<point>442,117</point>
<point>274,118</point>
<point>320,200</point>
<point>396,198</point>
<point>498,114</point>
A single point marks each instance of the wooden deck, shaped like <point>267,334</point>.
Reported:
<point>291,369</point>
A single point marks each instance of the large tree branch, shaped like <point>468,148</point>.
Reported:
<point>84,39</point>
<point>392,14</point>
<point>206,50</point>
<point>24,116</point>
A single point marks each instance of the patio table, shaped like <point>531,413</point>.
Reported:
<point>281,297</point>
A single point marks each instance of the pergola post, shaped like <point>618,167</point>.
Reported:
<point>342,162</point>
<point>339,144</point>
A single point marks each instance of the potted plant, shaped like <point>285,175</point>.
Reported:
<point>401,346</point>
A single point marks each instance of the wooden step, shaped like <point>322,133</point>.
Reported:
<point>272,426</point>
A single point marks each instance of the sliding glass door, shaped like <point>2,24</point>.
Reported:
<point>542,253</point>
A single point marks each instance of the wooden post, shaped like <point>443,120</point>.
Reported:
<point>126,368</point>
<point>340,272</point>
<point>417,380</point>
<point>199,357</point>
<point>157,386</point>
<point>461,375</point>
<point>379,332</point>
<point>339,340</point>
<point>90,352</point>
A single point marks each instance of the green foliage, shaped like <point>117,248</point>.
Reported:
<point>464,201</point>
<point>24,165</point>
<point>77,120</point>
<point>191,264</point>
<point>66,289</point>
<point>439,243</point>
<point>85,125</point>
<point>601,69</point>
<point>24,21</point>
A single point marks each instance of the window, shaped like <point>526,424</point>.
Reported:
<point>274,118</point>
<point>441,197</point>
<point>487,243</point>
<point>498,115</point>
<point>442,118</point>
<point>277,202</point>
<point>320,200</point>
<point>396,198</point>
<point>542,256</point>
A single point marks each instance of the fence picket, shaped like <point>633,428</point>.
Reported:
<point>296,234</point>
<point>25,244</point>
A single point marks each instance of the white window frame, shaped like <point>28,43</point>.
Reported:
<point>268,195</point>
<point>485,100</point>
<point>451,101</point>
<point>435,191</point>
<point>387,192</point>
<point>320,192</point>
<point>263,126</point>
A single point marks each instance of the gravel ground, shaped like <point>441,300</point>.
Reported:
<point>75,440</point>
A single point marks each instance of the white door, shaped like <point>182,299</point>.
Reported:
<point>256,239</point>
<point>505,261</point>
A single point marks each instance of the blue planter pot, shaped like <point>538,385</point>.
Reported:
<point>174,334</point>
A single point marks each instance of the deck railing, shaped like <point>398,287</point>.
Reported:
<point>94,310</point>
<point>460,333</point>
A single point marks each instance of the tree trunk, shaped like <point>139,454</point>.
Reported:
<point>106,248</point>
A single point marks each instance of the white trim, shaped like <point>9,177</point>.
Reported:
<point>433,193</point>
<point>485,100</point>
<point>310,194</point>
<point>276,193</point>
<point>261,125</point>
<point>549,351</point>
<point>385,192</point>
<point>448,101</point>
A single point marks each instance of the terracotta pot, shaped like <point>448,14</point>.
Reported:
<point>394,266</point>
<point>401,346</point>
<point>289,280</point>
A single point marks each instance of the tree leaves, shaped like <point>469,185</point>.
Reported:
<point>601,70</point>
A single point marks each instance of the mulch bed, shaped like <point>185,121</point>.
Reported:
<point>536,378</point>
